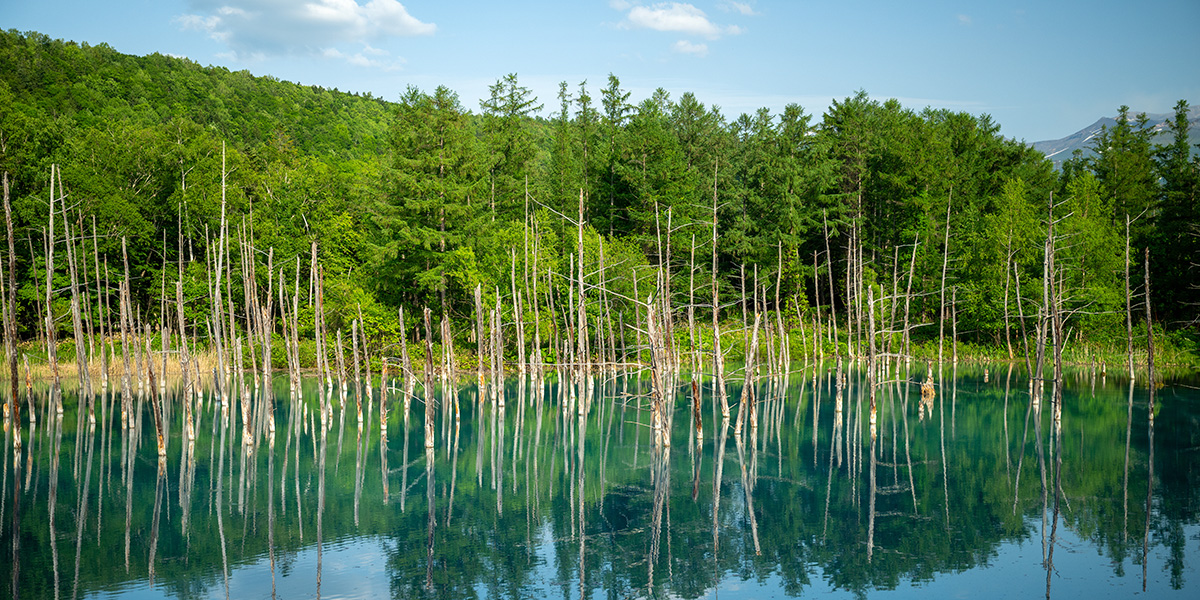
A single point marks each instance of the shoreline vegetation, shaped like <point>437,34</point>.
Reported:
<point>1171,361</point>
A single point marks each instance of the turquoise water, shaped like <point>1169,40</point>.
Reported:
<point>533,500</point>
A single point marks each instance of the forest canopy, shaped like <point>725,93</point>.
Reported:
<point>418,201</point>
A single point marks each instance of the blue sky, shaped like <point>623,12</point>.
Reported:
<point>1041,69</point>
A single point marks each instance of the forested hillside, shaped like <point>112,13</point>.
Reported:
<point>418,202</point>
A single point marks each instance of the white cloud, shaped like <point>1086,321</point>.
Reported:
<point>676,17</point>
<point>686,47</point>
<point>360,59</point>
<point>742,8</point>
<point>311,27</point>
<point>964,19</point>
<point>367,49</point>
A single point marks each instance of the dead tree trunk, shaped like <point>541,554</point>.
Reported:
<point>1128,306</point>
<point>945,263</point>
<point>10,321</point>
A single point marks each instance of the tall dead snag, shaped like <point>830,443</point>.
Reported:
<point>188,424</point>
<point>285,322</point>
<point>660,373</point>
<point>945,263</point>
<point>81,363</point>
<point>155,403</point>
<point>890,326</point>
<point>746,406</point>
<point>832,292</point>
<point>10,320</point>
<point>784,356</point>
<point>907,299</point>
<point>266,325</point>
<point>318,320</point>
<point>480,347</point>
<point>691,311</point>
<point>51,338</point>
<point>718,356</point>
<point>1128,306</point>
<point>1008,259</point>
<point>581,328</point>
<point>497,344</point>
<point>383,393</point>
<point>818,350</point>
<point>126,391</point>
<point>871,366</point>
<point>101,303</point>
<point>341,368</point>
<point>448,371</point>
<point>1149,335</point>
<point>410,382</point>
<point>366,351</point>
<point>429,397</point>
<point>954,325</point>
<point>358,373</point>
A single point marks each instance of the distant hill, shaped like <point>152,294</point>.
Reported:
<point>84,86</point>
<point>1063,148</point>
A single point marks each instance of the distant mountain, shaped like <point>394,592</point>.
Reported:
<point>1062,149</point>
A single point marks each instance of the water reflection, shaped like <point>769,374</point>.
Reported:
<point>838,485</point>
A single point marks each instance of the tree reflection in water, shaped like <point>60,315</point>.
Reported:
<point>569,499</point>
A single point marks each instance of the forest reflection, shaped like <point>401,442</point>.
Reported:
<point>841,480</point>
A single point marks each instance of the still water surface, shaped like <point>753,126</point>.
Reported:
<point>978,495</point>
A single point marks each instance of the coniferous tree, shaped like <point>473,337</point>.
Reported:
<point>436,205</point>
<point>510,147</point>
<point>1175,261</point>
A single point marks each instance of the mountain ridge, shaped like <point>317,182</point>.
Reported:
<point>1064,148</point>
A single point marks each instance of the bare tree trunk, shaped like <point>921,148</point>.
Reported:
<point>581,322</point>
<point>341,367</point>
<point>891,324</point>
<point>746,406</point>
<point>1008,258</point>
<point>366,353</point>
<point>51,338</point>
<point>76,317</point>
<point>954,324</point>
<point>692,311</point>
<point>410,382</point>
<point>519,321</point>
<point>155,404</point>
<point>718,354</point>
<point>1128,307</point>
<point>945,263</point>
<point>10,321</point>
<point>783,354</point>
<point>429,395</point>
<point>101,305</point>
<point>1149,333</point>
<point>832,294</point>
<point>188,424</point>
<point>818,347</point>
<point>357,371</point>
<point>480,351</point>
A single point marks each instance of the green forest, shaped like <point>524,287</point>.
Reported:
<point>153,164</point>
